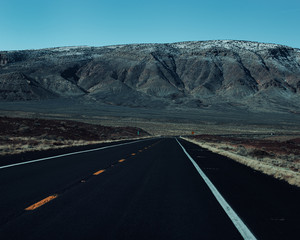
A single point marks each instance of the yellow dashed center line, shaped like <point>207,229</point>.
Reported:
<point>50,198</point>
<point>41,203</point>
<point>99,172</point>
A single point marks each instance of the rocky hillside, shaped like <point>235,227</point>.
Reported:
<point>249,75</point>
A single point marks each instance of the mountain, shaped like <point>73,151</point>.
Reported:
<point>204,74</point>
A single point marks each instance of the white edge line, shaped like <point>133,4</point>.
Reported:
<point>238,223</point>
<point>69,154</point>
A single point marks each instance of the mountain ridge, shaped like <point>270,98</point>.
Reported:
<point>180,44</point>
<point>201,74</point>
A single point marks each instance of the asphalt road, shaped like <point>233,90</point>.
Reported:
<point>142,190</point>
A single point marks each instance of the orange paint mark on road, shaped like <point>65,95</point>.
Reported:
<point>41,203</point>
<point>133,154</point>
<point>122,160</point>
<point>99,172</point>
<point>140,150</point>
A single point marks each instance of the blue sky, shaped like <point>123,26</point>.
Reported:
<point>33,24</point>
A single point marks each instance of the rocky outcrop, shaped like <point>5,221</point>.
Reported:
<point>17,86</point>
<point>3,60</point>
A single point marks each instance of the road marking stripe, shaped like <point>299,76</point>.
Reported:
<point>140,150</point>
<point>122,160</point>
<point>69,154</point>
<point>238,223</point>
<point>133,154</point>
<point>41,203</point>
<point>99,172</point>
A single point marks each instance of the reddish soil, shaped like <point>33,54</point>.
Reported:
<point>63,130</point>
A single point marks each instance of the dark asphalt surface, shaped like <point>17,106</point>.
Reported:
<point>154,194</point>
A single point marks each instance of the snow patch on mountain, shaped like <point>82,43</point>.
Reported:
<point>69,48</point>
<point>227,44</point>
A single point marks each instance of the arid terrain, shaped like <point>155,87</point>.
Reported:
<point>278,156</point>
<point>264,146</point>
<point>240,98</point>
<point>19,135</point>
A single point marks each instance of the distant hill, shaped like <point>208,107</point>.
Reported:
<point>250,75</point>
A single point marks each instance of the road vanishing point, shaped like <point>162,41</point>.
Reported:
<point>159,188</point>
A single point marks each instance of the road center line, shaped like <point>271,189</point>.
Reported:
<point>238,223</point>
<point>99,172</point>
<point>69,154</point>
<point>121,160</point>
<point>41,203</point>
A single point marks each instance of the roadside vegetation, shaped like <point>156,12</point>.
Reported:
<point>278,156</point>
<point>19,135</point>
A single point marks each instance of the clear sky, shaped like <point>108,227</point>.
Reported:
<point>33,24</point>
